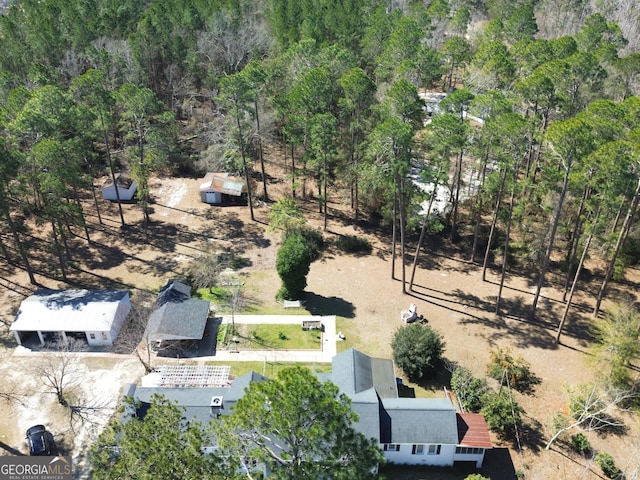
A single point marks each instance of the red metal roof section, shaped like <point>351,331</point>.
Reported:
<point>473,431</point>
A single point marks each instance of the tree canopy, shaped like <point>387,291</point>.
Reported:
<point>417,350</point>
<point>293,426</point>
<point>162,443</point>
<point>299,427</point>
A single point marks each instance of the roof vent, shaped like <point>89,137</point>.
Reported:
<point>216,405</point>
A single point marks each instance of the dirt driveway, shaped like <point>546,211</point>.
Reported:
<point>448,291</point>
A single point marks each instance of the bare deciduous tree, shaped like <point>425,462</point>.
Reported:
<point>134,336</point>
<point>205,270</point>
<point>59,369</point>
<point>592,407</point>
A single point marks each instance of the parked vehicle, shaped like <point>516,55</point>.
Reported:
<point>38,440</point>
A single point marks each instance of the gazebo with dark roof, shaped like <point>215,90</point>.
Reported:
<point>177,316</point>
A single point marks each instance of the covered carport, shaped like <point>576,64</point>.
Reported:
<point>178,321</point>
<point>51,316</point>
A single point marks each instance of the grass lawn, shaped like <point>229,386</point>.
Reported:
<point>220,298</point>
<point>277,337</point>
<point>269,369</point>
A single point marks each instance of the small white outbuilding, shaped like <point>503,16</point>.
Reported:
<point>222,189</point>
<point>126,189</point>
<point>94,316</point>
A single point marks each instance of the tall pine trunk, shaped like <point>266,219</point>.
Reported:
<point>17,241</point>
<point>624,231</point>
<point>574,241</point>
<point>552,236</point>
<point>244,165</point>
<point>454,216</point>
<point>423,232</point>
<point>260,151</point>
<point>507,234</point>
<point>494,221</point>
<point>565,314</point>
<point>111,169</point>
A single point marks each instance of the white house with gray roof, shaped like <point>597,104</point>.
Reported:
<point>417,431</point>
<point>93,316</point>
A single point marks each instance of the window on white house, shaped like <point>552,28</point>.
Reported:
<point>469,450</point>
<point>92,336</point>
<point>104,336</point>
<point>417,450</point>
<point>391,447</point>
<point>434,449</point>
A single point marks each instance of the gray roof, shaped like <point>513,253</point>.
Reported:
<point>371,385</point>
<point>197,401</point>
<point>177,316</point>
<point>419,420</point>
<point>367,406</point>
<point>356,372</point>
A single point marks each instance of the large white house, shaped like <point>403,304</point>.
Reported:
<point>415,431</point>
<point>94,316</point>
<point>418,431</point>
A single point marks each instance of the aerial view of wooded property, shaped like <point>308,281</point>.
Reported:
<point>389,239</point>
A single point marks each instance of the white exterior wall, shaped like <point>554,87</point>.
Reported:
<point>212,198</point>
<point>121,315</point>
<point>405,457</point>
<point>101,339</point>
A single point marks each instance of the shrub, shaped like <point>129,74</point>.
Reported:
<point>417,350</point>
<point>501,412</point>
<point>353,244</point>
<point>468,389</point>
<point>580,443</point>
<point>608,465</point>
<point>313,239</point>
<point>475,476</point>
<point>293,263</point>
<point>518,370</point>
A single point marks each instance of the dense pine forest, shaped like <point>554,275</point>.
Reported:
<point>537,142</point>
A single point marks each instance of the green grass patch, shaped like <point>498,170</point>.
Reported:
<point>215,295</point>
<point>277,337</point>
<point>222,333</point>
<point>270,369</point>
<point>273,309</point>
<point>351,337</point>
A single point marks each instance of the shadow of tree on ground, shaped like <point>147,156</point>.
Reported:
<point>319,305</point>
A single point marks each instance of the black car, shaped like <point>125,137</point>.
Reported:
<point>38,440</point>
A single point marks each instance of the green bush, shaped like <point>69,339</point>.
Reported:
<point>608,465</point>
<point>468,389</point>
<point>314,240</point>
<point>475,476</point>
<point>353,244</point>
<point>292,264</point>
<point>501,413</point>
<point>518,370</point>
<point>417,350</point>
<point>580,443</point>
